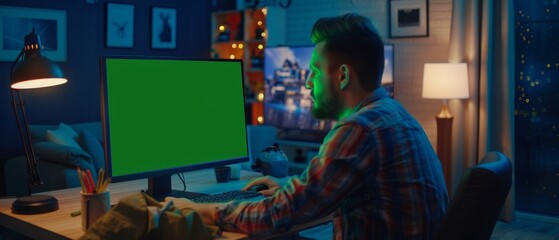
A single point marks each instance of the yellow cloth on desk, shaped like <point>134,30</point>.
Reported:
<point>139,216</point>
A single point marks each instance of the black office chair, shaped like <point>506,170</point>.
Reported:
<point>476,205</point>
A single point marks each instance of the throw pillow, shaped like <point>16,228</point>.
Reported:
<point>70,156</point>
<point>91,145</point>
<point>63,135</point>
<point>38,132</point>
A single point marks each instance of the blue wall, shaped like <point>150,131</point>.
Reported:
<point>78,100</point>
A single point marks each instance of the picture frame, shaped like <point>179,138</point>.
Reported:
<point>163,28</point>
<point>408,18</point>
<point>17,22</point>
<point>120,25</point>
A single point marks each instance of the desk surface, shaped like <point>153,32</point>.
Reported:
<point>60,225</point>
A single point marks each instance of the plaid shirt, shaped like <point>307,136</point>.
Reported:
<point>376,171</point>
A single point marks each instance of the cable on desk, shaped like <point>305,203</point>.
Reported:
<point>183,180</point>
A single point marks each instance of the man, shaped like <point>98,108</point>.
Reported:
<point>376,170</point>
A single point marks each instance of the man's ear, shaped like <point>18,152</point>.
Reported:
<point>344,76</point>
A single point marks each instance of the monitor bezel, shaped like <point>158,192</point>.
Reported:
<point>164,172</point>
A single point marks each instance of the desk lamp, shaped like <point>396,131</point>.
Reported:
<point>445,81</point>
<point>33,71</point>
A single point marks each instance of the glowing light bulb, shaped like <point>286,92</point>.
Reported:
<point>263,34</point>
<point>260,46</point>
<point>259,23</point>
<point>260,97</point>
<point>260,119</point>
<point>221,28</point>
<point>265,11</point>
<point>234,45</point>
<point>232,56</point>
<point>241,45</point>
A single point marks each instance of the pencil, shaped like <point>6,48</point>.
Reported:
<point>86,182</point>
<point>105,184</point>
<point>80,177</point>
<point>91,182</point>
<point>100,179</point>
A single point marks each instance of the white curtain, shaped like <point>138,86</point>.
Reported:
<point>482,34</point>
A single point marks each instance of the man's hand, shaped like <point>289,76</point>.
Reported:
<point>182,203</point>
<point>271,182</point>
<point>206,210</point>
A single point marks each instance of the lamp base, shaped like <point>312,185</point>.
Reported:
<point>35,204</point>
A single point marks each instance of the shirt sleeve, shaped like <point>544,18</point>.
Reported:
<point>331,177</point>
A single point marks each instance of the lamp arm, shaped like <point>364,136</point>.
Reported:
<point>33,177</point>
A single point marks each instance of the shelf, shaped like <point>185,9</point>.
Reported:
<point>255,41</point>
<point>242,34</point>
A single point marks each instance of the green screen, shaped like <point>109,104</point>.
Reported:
<point>172,114</point>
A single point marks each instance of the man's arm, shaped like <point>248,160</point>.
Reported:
<point>207,210</point>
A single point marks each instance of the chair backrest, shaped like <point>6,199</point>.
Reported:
<point>476,205</point>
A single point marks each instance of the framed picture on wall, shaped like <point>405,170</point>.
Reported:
<point>16,23</point>
<point>120,25</point>
<point>408,18</point>
<point>163,28</point>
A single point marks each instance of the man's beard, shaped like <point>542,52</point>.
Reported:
<point>327,108</point>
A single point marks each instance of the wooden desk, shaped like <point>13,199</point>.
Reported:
<point>60,225</point>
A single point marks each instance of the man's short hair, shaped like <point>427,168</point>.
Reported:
<point>355,41</point>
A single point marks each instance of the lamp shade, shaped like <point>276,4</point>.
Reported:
<point>35,70</point>
<point>445,81</point>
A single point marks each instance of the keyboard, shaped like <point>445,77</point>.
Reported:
<point>228,196</point>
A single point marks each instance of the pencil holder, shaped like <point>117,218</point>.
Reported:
<point>93,206</point>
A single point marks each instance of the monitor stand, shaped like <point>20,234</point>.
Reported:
<point>160,187</point>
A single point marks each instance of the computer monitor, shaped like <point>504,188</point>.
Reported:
<point>287,103</point>
<point>163,116</point>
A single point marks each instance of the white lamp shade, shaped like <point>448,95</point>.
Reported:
<point>445,81</point>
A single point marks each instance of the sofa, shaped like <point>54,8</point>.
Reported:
<point>59,150</point>
<point>57,162</point>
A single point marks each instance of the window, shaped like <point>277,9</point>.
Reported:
<point>537,106</point>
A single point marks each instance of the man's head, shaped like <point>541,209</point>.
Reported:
<point>348,56</point>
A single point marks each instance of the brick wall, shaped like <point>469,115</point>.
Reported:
<point>410,53</point>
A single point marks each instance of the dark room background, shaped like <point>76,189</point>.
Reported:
<point>78,100</point>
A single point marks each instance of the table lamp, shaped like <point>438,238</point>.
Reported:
<point>445,81</point>
<point>32,69</point>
